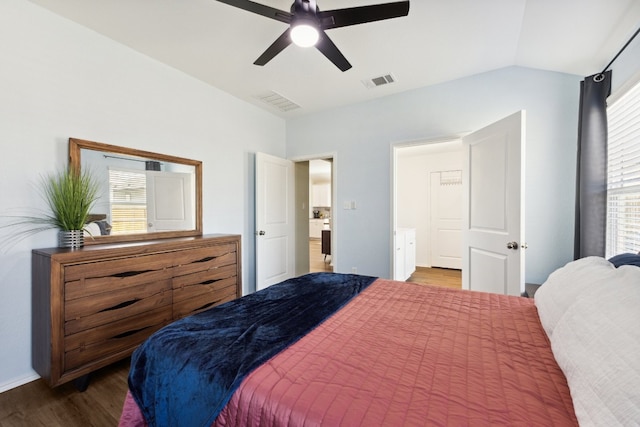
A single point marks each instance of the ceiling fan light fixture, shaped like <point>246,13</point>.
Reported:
<point>307,25</point>
<point>304,33</point>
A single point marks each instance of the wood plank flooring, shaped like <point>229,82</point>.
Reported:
<point>317,261</point>
<point>35,404</point>
<point>444,277</point>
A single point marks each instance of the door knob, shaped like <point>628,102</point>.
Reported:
<point>261,233</point>
<point>512,245</point>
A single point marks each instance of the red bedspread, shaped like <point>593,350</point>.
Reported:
<point>402,354</point>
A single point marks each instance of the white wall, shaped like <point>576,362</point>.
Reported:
<point>60,80</point>
<point>413,188</point>
<point>362,134</point>
<point>627,66</point>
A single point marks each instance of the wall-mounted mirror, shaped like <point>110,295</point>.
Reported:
<point>143,195</point>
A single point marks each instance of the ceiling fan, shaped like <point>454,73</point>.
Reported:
<point>307,25</point>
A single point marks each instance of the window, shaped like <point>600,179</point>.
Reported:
<point>128,200</point>
<point>623,174</point>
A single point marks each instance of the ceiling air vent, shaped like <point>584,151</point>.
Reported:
<point>278,101</point>
<point>379,81</point>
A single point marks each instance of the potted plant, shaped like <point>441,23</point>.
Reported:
<point>69,195</point>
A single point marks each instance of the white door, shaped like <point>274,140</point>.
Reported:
<point>275,220</point>
<point>446,219</point>
<point>493,226</point>
<point>170,202</point>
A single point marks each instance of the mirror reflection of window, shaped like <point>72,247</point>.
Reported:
<point>128,201</point>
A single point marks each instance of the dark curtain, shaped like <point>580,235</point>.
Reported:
<point>591,185</point>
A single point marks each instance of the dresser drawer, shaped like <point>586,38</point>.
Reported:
<point>204,289</point>
<point>93,345</point>
<point>193,299</point>
<point>109,306</point>
<point>83,280</point>
<point>203,259</point>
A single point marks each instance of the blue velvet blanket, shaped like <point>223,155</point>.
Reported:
<point>185,373</point>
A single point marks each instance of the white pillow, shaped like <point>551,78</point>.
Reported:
<point>597,345</point>
<point>91,230</point>
<point>567,284</point>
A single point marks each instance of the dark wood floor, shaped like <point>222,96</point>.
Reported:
<point>35,404</point>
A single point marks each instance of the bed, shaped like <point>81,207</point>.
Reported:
<point>337,349</point>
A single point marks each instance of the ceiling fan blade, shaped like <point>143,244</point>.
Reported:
<point>331,51</point>
<point>276,47</point>
<point>359,15</point>
<point>260,9</point>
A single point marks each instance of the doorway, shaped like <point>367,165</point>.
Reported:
<point>428,194</point>
<point>283,213</point>
<point>320,217</point>
<point>493,206</point>
<point>315,219</point>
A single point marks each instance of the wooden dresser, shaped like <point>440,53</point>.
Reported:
<point>94,306</point>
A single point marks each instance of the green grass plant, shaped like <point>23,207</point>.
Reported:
<point>69,196</point>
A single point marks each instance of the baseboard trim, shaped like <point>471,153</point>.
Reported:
<point>17,382</point>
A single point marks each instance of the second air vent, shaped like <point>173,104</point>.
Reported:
<point>379,81</point>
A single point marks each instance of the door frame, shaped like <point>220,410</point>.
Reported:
<point>334,193</point>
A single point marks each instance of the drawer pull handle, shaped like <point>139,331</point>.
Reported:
<point>128,333</point>
<point>207,305</point>
<point>121,305</point>
<point>209,258</point>
<point>130,273</point>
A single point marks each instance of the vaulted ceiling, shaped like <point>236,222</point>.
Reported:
<point>440,40</point>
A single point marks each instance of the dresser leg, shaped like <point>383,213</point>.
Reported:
<point>82,383</point>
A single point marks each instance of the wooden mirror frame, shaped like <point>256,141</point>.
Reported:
<point>75,147</point>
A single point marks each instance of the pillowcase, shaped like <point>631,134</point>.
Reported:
<point>105,227</point>
<point>625,259</point>
<point>565,285</point>
<point>596,344</point>
<point>91,230</point>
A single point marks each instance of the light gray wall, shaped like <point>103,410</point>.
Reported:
<point>626,67</point>
<point>362,135</point>
<point>60,80</point>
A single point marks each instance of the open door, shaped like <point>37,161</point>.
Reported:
<point>275,220</point>
<point>493,223</point>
